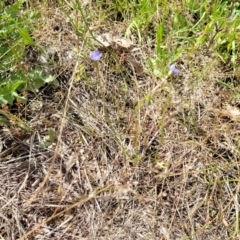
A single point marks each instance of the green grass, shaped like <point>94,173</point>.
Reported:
<point>120,148</point>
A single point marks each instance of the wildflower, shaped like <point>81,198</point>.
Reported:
<point>95,55</point>
<point>173,70</point>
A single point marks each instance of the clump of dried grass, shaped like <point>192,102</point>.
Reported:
<point>126,167</point>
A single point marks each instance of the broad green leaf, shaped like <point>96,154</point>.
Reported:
<point>6,99</point>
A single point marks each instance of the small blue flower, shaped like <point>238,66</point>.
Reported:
<point>95,55</point>
<point>173,70</point>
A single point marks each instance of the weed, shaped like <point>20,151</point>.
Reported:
<point>15,74</point>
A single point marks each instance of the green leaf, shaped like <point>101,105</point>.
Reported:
<point>4,120</point>
<point>16,84</point>
<point>51,135</point>
<point>25,36</point>
<point>22,99</point>
<point>35,15</point>
<point>50,139</point>
<point>55,83</point>
<point>3,100</point>
<point>14,9</point>
<point>7,99</point>
<point>48,79</point>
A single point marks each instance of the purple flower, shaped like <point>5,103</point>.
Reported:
<point>173,70</point>
<point>95,55</point>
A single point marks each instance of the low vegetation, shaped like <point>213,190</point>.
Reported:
<point>119,119</point>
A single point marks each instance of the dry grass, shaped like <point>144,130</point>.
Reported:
<point>122,165</point>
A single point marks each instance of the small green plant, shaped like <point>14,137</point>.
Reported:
<point>48,140</point>
<point>16,24</point>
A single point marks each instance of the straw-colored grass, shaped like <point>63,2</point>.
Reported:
<point>121,149</point>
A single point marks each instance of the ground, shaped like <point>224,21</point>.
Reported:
<point>123,149</point>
